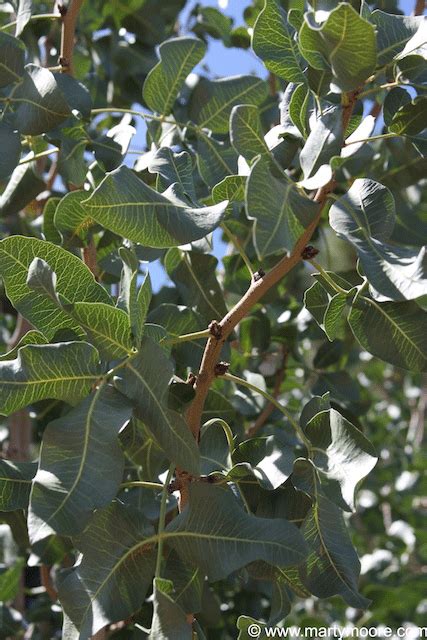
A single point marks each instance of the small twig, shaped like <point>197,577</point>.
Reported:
<point>269,407</point>
<point>37,16</point>
<point>46,581</point>
<point>162,521</point>
<point>89,258</point>
<point>69,17</point>
<point>419,7</point>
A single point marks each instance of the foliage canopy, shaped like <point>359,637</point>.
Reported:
<point>201,439</point>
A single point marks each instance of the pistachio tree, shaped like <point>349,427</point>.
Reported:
<point>198,435</point>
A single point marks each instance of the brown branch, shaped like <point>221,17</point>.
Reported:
<point>69,15</point>
<point>260,284</point>
<point>89,258</point>
<point>46,581</point>
<point>419,8</point>
<point>269,407</point>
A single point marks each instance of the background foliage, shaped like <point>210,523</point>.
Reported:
<point>142,197</point>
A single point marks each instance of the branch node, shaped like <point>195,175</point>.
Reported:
<point>309,252</point>
<point>259,275</point>
<point>62,8</point>
<point>215,329</point>
<point>221,368</point>
<point>191,379</point>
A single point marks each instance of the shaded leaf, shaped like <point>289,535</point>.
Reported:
<point>194,275</point>
<point>41,103</point>
<point>393,331</point>
<point>342,455</point>
<point>174,167</point>
<point>81,465</point>
<point>169,620</point>
<point>410,118</point>
<point>392,33</point>
<point>10,142</point>
<point>15,484</point>
<point>365,217</point>
<point>214,533</point>
<point>332,566</point>
<point>118,557</point>
<point>144,380</point>
<point>12,57</point>
<point>280,211</point>
<point>324,142</point>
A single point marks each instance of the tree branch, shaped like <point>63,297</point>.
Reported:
<point>259,286</point>
<point>69,16</point>
<point>419,8</point>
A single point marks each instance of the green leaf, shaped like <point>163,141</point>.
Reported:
<point>213,100</point>
<point>344,43</point>
<point>273,41</point>
<point>410,118</point>
<point>15,484</point>
<point>392,331</point>
<point>81,465</point>
<point>71,217</point>
<point>194,275</point>
<point>333,315</point>
<point>169,620</point>
<point>215,534</point>
<point>332,566</point>
<point>174,167</point>
<point>31,337</point>
<point>299,108</point>
<point>133,300</point>
<point>178,56</point>
<point>395,99</point>
<point>50,232</point>
<point>12,58</point>
<point>64,371</point>
<point>41,104</point>
<point>10,580</point>
<point>342,455</point>
<point>118,558</point>
<point>179,320</point>
<point>232,188</point>
<point>107,327</point>
<point>365,217</point>
<point>280,211</point>
<point>393,32</point>
<point>246,132</point>
<point>316,301</point>
<point>126,205</point>
<point>74,282</point>
<point>269,460</point>
<point>215,160</point>
<point>10,142</point>
<point>144,380</point>
<point>324,142</point>
<point>24,185</point>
